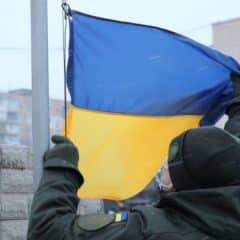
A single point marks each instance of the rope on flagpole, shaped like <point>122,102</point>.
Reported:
<point>65,18</point>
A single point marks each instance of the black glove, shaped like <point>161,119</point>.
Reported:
<point>234,105</point>
<point>236,85</point>
<point>63,155</point>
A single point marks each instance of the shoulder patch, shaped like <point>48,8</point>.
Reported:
<point>94,222</point>
<point>121,217</point>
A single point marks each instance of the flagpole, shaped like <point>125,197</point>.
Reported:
<point>40,85</point>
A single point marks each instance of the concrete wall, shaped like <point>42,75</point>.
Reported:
<point>16,191</point>
<point>16,186</point>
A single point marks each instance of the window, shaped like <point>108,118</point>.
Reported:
<point>12,116</point>
<point>12,128</point>
<point>2,128</point>
<point>3,116</point>
<point>3,104</point>
<point>1,138</point>
<point>11,140</point>
<point>13,104</point>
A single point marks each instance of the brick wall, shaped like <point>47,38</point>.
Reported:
<point>16,186</point>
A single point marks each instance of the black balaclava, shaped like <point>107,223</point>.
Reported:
<point>206,157</point>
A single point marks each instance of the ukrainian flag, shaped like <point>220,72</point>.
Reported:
<point>133,88</point>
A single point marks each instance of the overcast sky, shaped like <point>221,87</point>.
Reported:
<point>190,17</point>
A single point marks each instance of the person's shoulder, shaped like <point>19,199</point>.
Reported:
<point>94,222</point>
<point>104,226</point>
<point>163,222</point>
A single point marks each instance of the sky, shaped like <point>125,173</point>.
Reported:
<point>189,17</point>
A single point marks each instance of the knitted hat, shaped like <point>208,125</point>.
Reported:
<point>205,157</point>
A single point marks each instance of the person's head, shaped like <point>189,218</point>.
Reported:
<point>206,157</point>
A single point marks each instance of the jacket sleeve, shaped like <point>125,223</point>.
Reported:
<point>53,214</point>
<point>54,204</point>
<point>233,112</point>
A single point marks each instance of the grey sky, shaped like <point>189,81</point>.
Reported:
<point>190,17</point>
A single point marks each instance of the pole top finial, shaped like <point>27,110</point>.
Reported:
<point>66,8</point>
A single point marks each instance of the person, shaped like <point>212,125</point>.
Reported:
<point>201,200</point>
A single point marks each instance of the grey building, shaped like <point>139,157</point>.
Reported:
<point>226,37</point>
<point>16,175</point>
<point>16,117</point>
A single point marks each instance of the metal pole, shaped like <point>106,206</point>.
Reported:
<point>40,85</point>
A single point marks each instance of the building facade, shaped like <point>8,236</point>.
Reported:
<point>16,117</point>
<point>16,174</point>
<point>226,37</point>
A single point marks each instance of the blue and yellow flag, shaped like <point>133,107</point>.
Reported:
<point>133,89</point>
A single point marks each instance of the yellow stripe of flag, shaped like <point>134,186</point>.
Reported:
<point>120,154</point>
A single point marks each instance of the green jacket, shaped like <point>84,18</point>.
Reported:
<point>202,214</point>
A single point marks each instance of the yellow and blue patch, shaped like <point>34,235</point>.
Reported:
<point>121,217</point>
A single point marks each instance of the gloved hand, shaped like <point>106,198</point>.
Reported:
<point>63,155</point>
<point>234,104</point>
<point>236,85</point>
